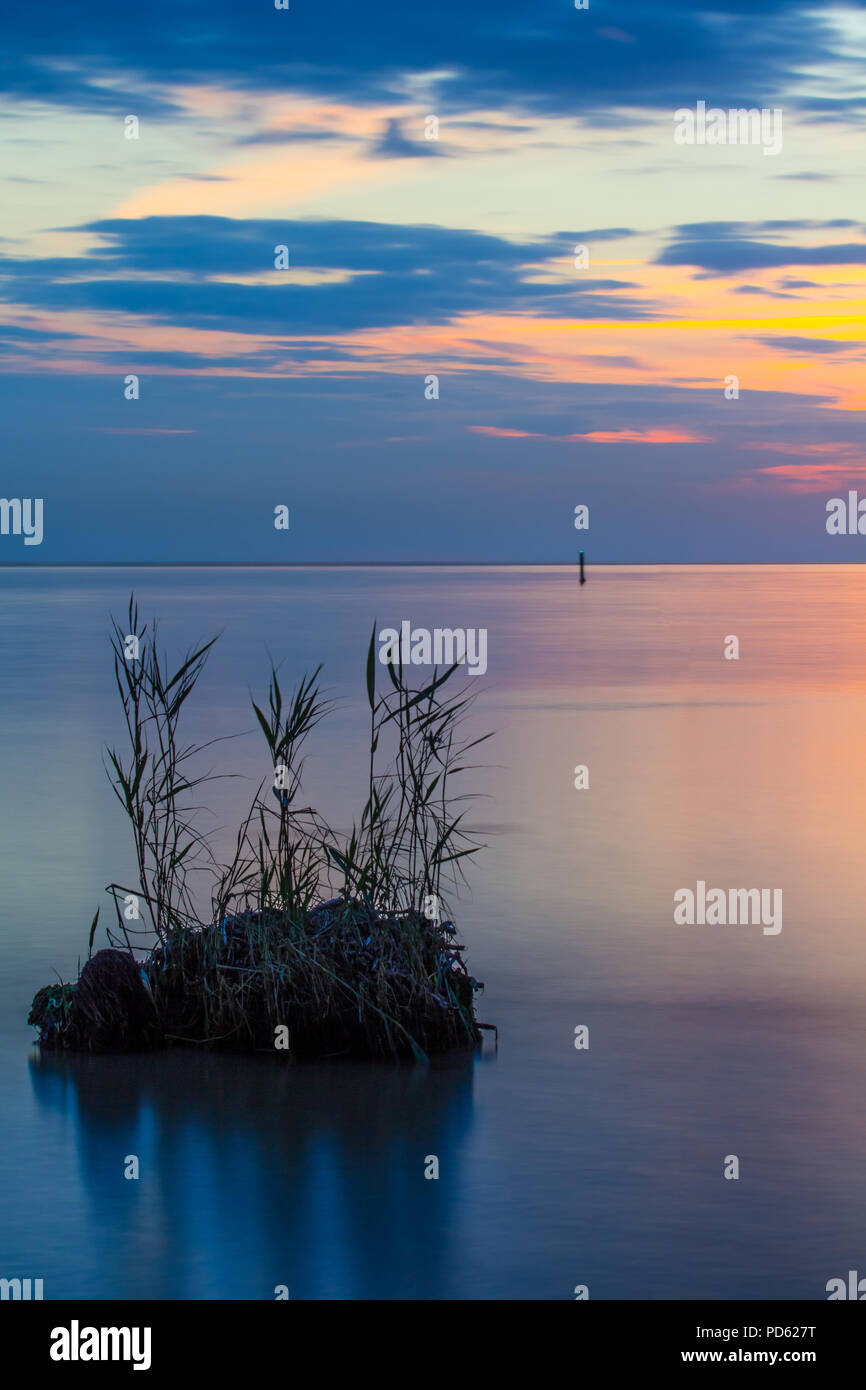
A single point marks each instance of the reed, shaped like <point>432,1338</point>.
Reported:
<point>340,940</point>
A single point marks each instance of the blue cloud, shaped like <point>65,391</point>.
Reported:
<point>724,248</point>
<point>395,144</point>
<point>808,347</point>
<point>397,275</point>
<point>497,52</point>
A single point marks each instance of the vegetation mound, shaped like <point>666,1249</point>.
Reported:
<point>315,944</point>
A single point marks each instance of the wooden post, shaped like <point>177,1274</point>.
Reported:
<point>582,575</point>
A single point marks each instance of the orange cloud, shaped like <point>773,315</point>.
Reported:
<point>813,477</point>
<point>656,436</point>
<point>643,437</point>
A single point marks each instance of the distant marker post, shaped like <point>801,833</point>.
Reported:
<point>582,575</point>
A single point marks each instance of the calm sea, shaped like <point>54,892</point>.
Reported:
<point>558,1167</point>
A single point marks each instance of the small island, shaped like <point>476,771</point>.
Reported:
<point>313,945</point>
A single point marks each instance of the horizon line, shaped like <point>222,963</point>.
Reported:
<point>415,564</point>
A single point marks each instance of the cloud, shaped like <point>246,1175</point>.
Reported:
<point>813,477</point>
<point>622,436</point>
<point>808,177</point>
<point>495,432</point>
<point>213,272</point>
<point>761,290</point>
<point>726,248</point>
<point>394,144</point>
<point>96,57</point>
<point>295,134</point>
<point>809,346</point>
<point>648,436</point>
<point>21,333</point>
<point>838,448</point>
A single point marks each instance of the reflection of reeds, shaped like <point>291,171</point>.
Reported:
<point>340,940</point>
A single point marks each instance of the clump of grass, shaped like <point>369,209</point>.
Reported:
<point>341,940</point>
<point>152,781</point>
<point>340,982</point>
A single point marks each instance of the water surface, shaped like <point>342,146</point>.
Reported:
<point>557,1167</point>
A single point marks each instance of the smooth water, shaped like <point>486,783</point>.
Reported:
<point>558,1167</point>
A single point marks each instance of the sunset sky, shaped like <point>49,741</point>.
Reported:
<point>602,384</point>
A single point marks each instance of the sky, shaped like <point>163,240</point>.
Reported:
<point>508,289</point>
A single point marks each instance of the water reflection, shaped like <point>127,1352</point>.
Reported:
<point>256,1172</point>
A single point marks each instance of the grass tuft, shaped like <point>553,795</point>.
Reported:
<point>341,940</point>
